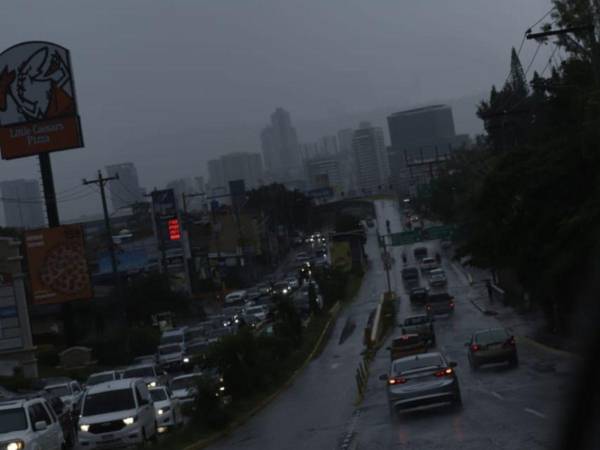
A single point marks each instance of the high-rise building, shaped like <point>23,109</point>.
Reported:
<point>329,145</point>
<point>324,171</point>
<point>216,179</point>
<point>371,163</point>
<point>236,166</point>
<point>126,190</point>
<point>421,141</point>
<point>344,138</point>
<point>23,204</point>
<point>182,186</point>
<point>281,151</point>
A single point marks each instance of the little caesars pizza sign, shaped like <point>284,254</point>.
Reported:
<point>58,268</point>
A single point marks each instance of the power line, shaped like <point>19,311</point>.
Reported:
<point>540,20</point>
<point>533,58</point>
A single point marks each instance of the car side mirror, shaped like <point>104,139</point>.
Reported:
<point>452,364</point>
<point>383,377</point>
<point>40,426</point>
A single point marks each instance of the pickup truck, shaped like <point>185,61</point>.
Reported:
<point>421,325</point>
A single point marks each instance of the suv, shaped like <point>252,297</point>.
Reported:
<point>172,356</point>
<point>69,391</point>
<point>148,372</point>
<point>29,423</point>
<point>102,377</point>
<point>117,413</point>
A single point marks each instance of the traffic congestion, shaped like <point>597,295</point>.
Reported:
<point>157,393</point>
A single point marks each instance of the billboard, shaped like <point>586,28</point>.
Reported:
<point>58,269</point>
<point>38,108</point>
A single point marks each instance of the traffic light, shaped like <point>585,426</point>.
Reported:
<point>174,230</point>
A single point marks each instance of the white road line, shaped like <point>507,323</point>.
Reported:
<point>498,396</point>
<point>535,413</point>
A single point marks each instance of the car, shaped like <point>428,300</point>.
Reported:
<point>420,253</point>
<point>437,277</point>
<point>418,295</point>
<point>427,264</point>
<point>101,377</point>
<point>145,359</point>
<point>421,380</point>
<point>406,345</point>
<point>172,356</point>
<point>259,311</point>
<point>166,408</point>
<point>173,336</point>
<point>302,258</point>
<point>69,391</point>
<point>264,288</point>
<point>422,325</point>
<point>185,387</point>
<point>65,417</point>
<point>494,345</point>
<point>282,288</point>
<point>235,298</point>
<point>439,302</point>
<point>410,277</point>
<point>293,282</point>
<point>117,414</point>
<point>150,373</point>
<point>28,422</point>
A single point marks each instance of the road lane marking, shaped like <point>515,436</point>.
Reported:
<point>498,396</point>
<point>535,413</point>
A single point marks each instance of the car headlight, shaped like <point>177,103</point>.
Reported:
<point>164,410</point>
<point>15,445</point>
<point>186,360</point>
<point>152,384</point>
<point>129,420</point>
<point>222,388</point>
<point>83,427</point>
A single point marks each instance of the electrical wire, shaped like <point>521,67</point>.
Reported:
<point>542,18</point>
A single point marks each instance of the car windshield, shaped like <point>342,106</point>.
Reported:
<point>11,420</point>
<point>167,350</point>
<point>416,320</point>
<point>158,395</point>
<point>436,272</point>
<point>61,390</point>
<point>139,372</point>
<point>415,363</point>
<point>183,383</point>
<point>100,378</point>
<point>171,339</point>
<point>491,336</point>
<point>108,401</point>
<point>439,298</point>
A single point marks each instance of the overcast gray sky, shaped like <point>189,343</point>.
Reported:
<point>171,84</point>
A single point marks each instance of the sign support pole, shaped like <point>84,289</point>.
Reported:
<point>49,192</point>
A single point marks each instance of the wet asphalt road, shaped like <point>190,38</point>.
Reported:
<point>503,408</point>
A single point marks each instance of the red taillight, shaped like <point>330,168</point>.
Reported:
<point>444,372</point>
<point>397,380</point>
<point>474,347</point>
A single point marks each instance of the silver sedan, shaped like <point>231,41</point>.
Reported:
<point>421,380</point>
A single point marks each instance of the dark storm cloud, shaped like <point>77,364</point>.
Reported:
<point>169,85</point>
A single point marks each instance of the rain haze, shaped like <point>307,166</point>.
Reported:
<point>170,85</point>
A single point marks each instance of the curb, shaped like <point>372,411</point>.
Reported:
<point>547,348</point>
<point>203,443</point>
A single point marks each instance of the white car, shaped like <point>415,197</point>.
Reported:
<point>102,377</point>
<point>166,408</point>
<point>184,387</point>
<point>172,356</point>
<point>150,373</point>
<point>69,391</point>
<point>428,264</point>
<point>258,311</point>
<point>236,298</point>
<point>29,423</point>
<point>117,414</point>
<point>174,336</point>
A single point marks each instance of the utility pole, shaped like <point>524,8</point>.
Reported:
<point>101,182</point>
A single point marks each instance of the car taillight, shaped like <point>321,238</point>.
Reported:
<point>397,380</point>
<point>474,347</point>
<point>444,372</point>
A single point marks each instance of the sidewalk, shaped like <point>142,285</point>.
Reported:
<point>531,325</point>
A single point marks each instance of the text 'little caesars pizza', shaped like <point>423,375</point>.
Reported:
<point>65,269</point>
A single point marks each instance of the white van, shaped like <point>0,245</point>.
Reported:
<point>117,413</point>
